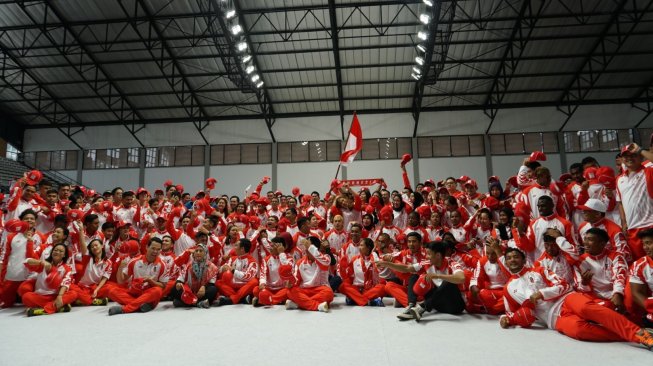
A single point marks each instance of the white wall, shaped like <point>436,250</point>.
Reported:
<point>72,174</point>
<point>441,168</point>
<point>192,178</point>
<point>233,179</point>
<point>315,176</point>
<point>107,179</point>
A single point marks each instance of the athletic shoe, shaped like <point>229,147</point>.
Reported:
<point>406,314</point>
<point>323,307</point>
<point>146,307</point>
<point>248,299</point>
<point>65,309</point>
<point>204,304</point>
<point>349,301</point>
<point>376,302</point>
<point>223,300</point>
<point>645,338</point>
<point>255,302</point>
<point>291,305</point>
<point>35,312</point>
<point>417,312</point>
<point>178,303</point>
<point>100,302</point>
<point>114,310</point>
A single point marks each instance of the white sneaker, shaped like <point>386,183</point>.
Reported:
<point>417,312</point>
<point>323,307</point>
<point>406,314</point>
<point>290,305</point>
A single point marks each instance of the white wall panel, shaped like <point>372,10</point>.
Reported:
<point>107,179</point>
<point>72,174</point>
<point>308,177</point>
<point>233,179</point>
<point>237,132</point>
<point>192,178</point>
<point>387,169</point>
<point>441,168</point>
<point>527,120</point>
<point>452,123</point>
<point>308,129</point>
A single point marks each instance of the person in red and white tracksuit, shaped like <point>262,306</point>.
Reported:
<point>533,242</point>
<point>602,274</point>
<point>559,255</point>
<point>311,290</point>
<point>594,217</point>
<point>21,199</point>
<point>361,280</point>
<point>93,271</point>
<point>639,300</point>
<point>238,278</point>
<point>141,281</point>
<point>50,292</point>
<point>543,186</point>
<point>337,236</point>
<point>635,192</point>
<point>20,244</point>
<point>276,269</point>
<point>486,285</point>
<point>441,279</point>
<point>537,294</point>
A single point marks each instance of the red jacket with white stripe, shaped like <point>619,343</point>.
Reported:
<point>313,273</point>
<point>245,268</point>
<point>617,238</point>
<point>269,274</point>
<point>488,275</point>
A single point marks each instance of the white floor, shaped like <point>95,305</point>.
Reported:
<point>241,335</point>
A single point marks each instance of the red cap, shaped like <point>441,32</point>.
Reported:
<point>295,191</point>
<point>491,203</point>
<point>590,173</point>
<point>306,199</point>
<point>537,156</point>
<point>564,177</point>
<point>263,201</point>
<point>266,180</point>
<point>422,286</point>
<point>427,189</point>
<point>462,179</point>
<point>424,211</point>
<point>188,297</point>
<point>443,189</point>
<point>278,193</point>
<point>626,150</point>
<point>210,183</point>
<point>429,181</point>
<point>244,219</point>
<point>608,182</point>
<point>53,279</point>
<point>90,193</point>
<point>168,183</point>
<point>158,191</point>
<point>405,159</point>
<point>334,184</point>
<point>107,206</point>
<point>494,178</point>
<point>74,215</point>
<point>471,182</point>
<point>33,177</point>
<point>180,188</point>
<point>386,214</point>
<point>16,226</point>
<point>254,221</point>
<point>374,201</point>
<point>285,272</point>
<point>605,170</point>
<point>121,224</point>
<point>513,181</point>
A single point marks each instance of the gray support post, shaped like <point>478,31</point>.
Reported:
<point>415,161</point>
<point>561,150</point>
<point>80,166</point>
<point>274,167</point>
<point>207,162</point>
<point>489,169</point>
<point>141,167</point>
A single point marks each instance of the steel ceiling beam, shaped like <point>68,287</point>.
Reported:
<point>336,62</point>
<point>172,71</point>
<point>645,93</point>
<point>89,71</point>
<point>56,113</point>
<point>601,54</point>
<point>512,54</point>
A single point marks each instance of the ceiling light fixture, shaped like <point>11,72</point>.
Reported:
<point>425,18</point>
<point>260,84</point>
<point>230,14</point>
<point>416,77</point>
<point>422,35</point>
<point>246,58</point>
<point>249,69</point>
<point>242,46</point>
<point>255,78</point>
<point>428,2</point>
<point>421,48</point>
<point>419,60</point>
<point>236,29</point>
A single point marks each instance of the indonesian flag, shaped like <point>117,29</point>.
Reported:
<point>354,142</point>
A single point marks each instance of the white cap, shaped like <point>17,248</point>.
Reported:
<point>595,205</point>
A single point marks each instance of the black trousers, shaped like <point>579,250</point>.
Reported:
<point>445,298</point>
<point>210,293</point>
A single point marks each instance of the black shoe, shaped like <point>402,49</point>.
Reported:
<point>146,307</point>
<point>248,299</point>
<point>178,303</point>
<point>255,302</point>
<point>114,310</point>
<point>223,300</point>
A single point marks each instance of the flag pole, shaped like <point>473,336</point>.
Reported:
<point>346,141</point>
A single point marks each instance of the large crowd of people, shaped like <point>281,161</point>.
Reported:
<point>575,254</point>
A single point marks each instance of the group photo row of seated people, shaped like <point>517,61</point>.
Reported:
<point>573,253</point>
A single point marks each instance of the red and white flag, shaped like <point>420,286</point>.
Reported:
<point>354,142</point>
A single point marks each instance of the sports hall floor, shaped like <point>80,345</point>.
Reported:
<point>240,335</point>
